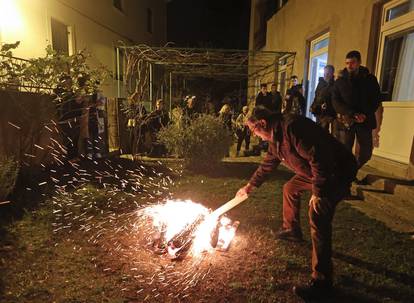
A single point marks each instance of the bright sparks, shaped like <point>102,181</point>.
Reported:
<point>177,217</point>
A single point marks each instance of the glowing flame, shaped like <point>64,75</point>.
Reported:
<point>174,216</point>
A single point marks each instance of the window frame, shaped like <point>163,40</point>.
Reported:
<point>70,31</point>
<point>391,28</point>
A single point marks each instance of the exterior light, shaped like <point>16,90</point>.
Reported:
<point>10,19</point>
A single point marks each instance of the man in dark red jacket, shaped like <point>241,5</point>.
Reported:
<point>323,166</point>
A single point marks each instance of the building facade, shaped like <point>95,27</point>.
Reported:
<point>322,32</point>
<point>72,25</point>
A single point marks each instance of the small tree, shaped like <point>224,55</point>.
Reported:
<point>201,142</point>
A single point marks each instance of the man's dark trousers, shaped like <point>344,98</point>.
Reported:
<point>363,136</point>
<point>320,224</point>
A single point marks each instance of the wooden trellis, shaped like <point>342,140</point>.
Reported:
<point>141,62</point>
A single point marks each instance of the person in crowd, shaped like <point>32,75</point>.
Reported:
<point>323,166</point>
<point>136,114</point>
<point>294,102</point>
<point>93,146</point>
<point>276,99</point>
<point>70,114</point>
<point>355,99</point>
<point>242,130</point>
<point>322,104</point>
<point>190,111</point>
<point>156,120</point>
<point>209,108</point>
<point>264,98</point>
<point>226,116</point>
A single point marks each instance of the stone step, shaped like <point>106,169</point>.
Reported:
<point>387,183</point>
<point>396,212</point>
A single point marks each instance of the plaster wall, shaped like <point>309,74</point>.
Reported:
<point>349,25</point>
<point>96,25</point>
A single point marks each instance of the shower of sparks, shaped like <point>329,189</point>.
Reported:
<point>118,209</point>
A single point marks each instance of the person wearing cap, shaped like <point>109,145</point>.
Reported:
<point>323,166</point>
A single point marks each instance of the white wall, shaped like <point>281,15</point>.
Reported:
<point>97,26</point>
<point>397,131</point>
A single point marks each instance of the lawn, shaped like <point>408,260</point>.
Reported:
<point>78,239</point>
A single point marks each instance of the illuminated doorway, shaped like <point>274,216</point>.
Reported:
<point>318,58</point>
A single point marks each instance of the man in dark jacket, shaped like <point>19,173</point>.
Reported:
<point>276,99</point>
<point>355,98</point>
<point>322,104</point>
<point>295,102</point>
<point>264,98</point>
<point>323,166</point>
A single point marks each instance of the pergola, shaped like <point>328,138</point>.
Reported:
<point>143,62</point>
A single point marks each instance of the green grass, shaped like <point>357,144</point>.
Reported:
<point>372,263</point>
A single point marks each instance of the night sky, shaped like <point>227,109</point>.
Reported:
<point>209,23</point>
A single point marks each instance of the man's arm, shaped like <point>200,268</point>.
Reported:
<point>270,162</point>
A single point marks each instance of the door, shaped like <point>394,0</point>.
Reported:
<point>318,58</point>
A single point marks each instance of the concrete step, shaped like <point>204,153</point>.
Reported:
<point>394,211</point>
<point>387,183</point>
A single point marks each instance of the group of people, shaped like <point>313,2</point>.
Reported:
<point>323,164</point>
<point>81,120</point>
<point>144,126</point>
<point>344,106</point>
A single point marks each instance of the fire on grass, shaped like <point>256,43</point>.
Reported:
<point>136,236</point>
<point>178,228</point>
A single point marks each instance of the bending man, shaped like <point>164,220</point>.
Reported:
<point>323,166</point>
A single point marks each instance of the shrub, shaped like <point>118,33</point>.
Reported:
<point>201,142</point>
<point>9,170</point>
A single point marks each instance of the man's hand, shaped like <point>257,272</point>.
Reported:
<point>359,118</point>
<point>245,190</point>
<point>318,204</point>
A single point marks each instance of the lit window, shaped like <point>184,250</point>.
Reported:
<point>320,44</point>
<point>396,72</point>
<point>397,11</point>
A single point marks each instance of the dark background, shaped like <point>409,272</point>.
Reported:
<point>209,23</point>
<point>218,24</point>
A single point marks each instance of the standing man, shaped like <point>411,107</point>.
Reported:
<point>264,98</point>
<point>355,98</point>
<point>276,99</point>
<point>323,166</point>
<point>242,130</point>
<point>322,104</point>
<point>295,102</point>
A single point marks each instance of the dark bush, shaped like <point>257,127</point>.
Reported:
<point>201,142</point>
